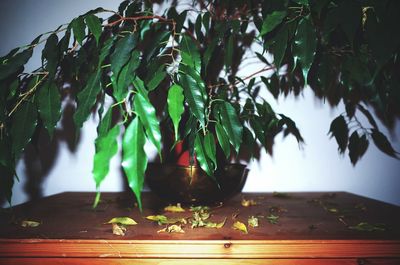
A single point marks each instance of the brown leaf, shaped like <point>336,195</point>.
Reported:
<point>172,229</point>
<point>118,229</point>
<point>29,223</point>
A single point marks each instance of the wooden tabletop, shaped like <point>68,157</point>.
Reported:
<point>310,226</point>
<point>302,216</point>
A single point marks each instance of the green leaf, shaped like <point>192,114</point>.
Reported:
<point>210,148</point>
<point>105,123</point>
<point>147,115</point>
<point>122,220</point>
<point>134,158</point>
<point>11,65</point>
<point>231,124</point>
<point>105,50</point>
<point>126,76</point>
<point>51,53</point>
<point>122,53</point>
<point>357,147</point>
<point>49,106</point>
<point>86,98</point>
<point>175,102</point>
<point>229,52</point>
<point>201,156</point>
<point>6,182</point>
<point>279,46</point>
<point>305,44</point>
<point>271,21</point>
<point>190,54</point>
<point>106,148</point>
<point>223,139</point>
<point>291,128</point>
<point>383,143</point>
<point>156,79</point>
<point>23,126</point>
<point>194,97</point>
<point>78,28</point>
<point>258,130</point>
<point>340,131</point>
<point>94,25</point>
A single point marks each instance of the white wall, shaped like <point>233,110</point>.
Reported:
<point>316,168</point>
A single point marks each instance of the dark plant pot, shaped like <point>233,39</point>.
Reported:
<point>190,184</point>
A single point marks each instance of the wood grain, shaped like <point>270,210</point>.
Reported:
<point>313,228</point>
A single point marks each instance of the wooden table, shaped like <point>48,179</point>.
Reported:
<point>313,228</point>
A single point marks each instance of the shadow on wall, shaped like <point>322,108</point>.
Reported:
<point>40,155</point>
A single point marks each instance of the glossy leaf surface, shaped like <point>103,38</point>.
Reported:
<point>271,21</point>
<point>147,116</point>
<point>176,108</point>
<point>134,158</point>
<point>231,124</point>
<point>49,106</point>
<point>94,25</point>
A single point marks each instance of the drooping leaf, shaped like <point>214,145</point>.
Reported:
<point>122,53</point>
<point>126,76</point>
<point>86,98</point>
<point>147,116</point>
<point>105,50</point>
<point>291,128</point>
<point>49,106</point>
<point>231,124</point>
<point>122,220</point>
<point>202,158</point>
<point>305,44</point>
<point>106,148</point>
<point>51,53</point>
<point>340,131</point>
<point>7,174</point>
<point>223,139</point>
<point>94,25</point>
<point>271,21</point>
<point>194,97</point>
<point>175,102</point>
<point>357,147</point>
<point>78,28</point>
<point>11,65</point>
<point>157,78</point>
<point>383,143</point>
<point>258,130</point>
<point>210,148</point>
<point>23,126</point>
<point>279,45</point>
<point>134,158</point>
<point>229,52</point>
<point>190,54</point>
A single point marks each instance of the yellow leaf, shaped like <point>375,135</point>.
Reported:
<point>162,219</point>
<point>240,226</point>
<point>174,208</point>
<point>29,223</point>
<point>172,229</point>
<point>122,220</point>
<point>247,203</point>
<point>118,229</point>
<point>215,225</point>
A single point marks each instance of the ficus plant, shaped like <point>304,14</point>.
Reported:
<point>176,76</point>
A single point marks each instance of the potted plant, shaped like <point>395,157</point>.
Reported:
<point>175,79</point>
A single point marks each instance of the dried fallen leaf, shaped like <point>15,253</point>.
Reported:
<point>215,225</point>
<point>172,229</point>
<point>247,203</point>
<point>282,195</point>
<point>240,226</point>
<point>122,220</point>
<point>162,219</point>
<point>364,226</point>
<point>273,219</point>
<point>118,229</point>
<point>253,221</point>
<point>199,208</point>
<point>29,223</point>
<point>174,208</point>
